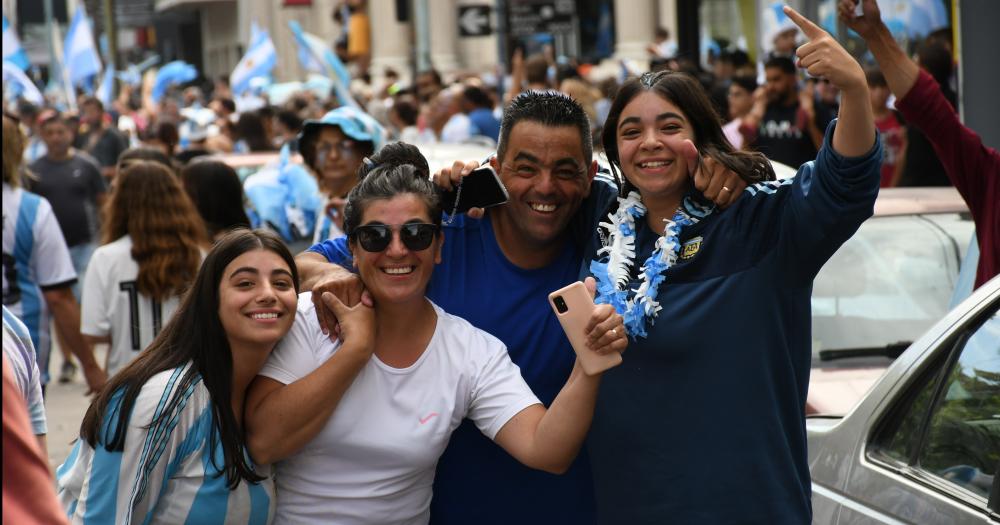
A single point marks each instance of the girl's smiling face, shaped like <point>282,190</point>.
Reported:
<point>651,133</point>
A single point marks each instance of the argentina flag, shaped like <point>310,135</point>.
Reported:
<point>12,50</point>
<point>257,62</point>
<point>17,84</point>
<point>315,55</point>
<point>80,57</point>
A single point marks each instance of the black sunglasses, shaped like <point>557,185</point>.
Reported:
<point>414,235</point>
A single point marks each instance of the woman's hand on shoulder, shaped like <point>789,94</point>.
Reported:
<point>357,323</point>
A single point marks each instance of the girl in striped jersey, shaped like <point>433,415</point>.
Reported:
<point>164,441</point>
<point>153,242</point>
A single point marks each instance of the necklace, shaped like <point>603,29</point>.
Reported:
<point>613,274</point>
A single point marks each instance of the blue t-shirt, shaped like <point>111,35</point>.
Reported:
<point>704,421</point>
<point>477,481</point>
<point>484,123</point>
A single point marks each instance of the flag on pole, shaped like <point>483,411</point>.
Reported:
<point>176,72</point>
<point>106,91</point>
<point>257,62</point>
<point>19,84</point>
<point>315,55</point>
<point>80,57</point>
<point>12,50</point>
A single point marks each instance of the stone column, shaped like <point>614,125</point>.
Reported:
<point>634,24</point>
<point>391,40</point>
<point>667,11</point>
<point>444,35</point>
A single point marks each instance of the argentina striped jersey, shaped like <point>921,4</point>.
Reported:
<point>165,474</point>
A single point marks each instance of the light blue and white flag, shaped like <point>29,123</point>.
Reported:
<point>106,91</point>
<point>18,84</point>
<point>80,57</point>
<point>257,62</point>
<point>315,55</point>
<point>176,72</point>
<point>12,50</point>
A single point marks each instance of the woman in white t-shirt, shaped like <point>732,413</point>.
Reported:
<point>153,241</point>
<point>356,425</point>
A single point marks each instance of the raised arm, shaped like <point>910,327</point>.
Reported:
<point>900,72</point>
<point>824,57</point>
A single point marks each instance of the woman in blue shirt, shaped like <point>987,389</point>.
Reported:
<point>704,420</point>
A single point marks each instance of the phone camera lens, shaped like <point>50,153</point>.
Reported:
<point>560,304</point>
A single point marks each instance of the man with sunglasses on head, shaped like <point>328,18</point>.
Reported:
<point>333,147</point>
<point>496,272</point>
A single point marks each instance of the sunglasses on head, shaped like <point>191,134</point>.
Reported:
<point>414,235</point>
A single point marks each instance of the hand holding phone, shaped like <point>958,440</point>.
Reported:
<point>480,189</point>
<point>574,306</point>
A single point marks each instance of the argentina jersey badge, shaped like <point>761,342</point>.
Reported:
<point>690,248</point>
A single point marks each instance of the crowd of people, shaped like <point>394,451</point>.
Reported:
<point>407,366</point>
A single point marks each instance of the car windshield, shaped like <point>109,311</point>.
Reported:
<point>890,282</point>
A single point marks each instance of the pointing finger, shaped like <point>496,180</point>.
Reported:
<point>811,30</point>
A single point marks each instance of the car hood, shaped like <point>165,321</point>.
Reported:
<point>835,391</point>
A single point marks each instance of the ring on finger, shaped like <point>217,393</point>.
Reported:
<point>726,188</point>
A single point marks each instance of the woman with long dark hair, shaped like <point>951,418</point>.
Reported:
<point>217,192</point>
<point>164,441</point>
<point>153,241</point>
<point>704,420</point>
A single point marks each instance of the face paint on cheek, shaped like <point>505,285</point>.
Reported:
<point>320,162</point>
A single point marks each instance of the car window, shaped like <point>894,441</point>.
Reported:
<point>890,282</point>
<point>963,438</point>
<point>950,429</point>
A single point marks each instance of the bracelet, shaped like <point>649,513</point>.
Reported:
<point>454,209</point>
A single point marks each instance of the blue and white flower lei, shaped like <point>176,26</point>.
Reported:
<point>612,275</point>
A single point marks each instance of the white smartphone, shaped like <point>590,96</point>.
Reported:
<point>573,306</point>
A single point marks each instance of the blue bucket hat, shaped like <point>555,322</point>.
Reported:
<point>353,122</point>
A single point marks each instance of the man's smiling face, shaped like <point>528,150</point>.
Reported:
<point>547,176</point>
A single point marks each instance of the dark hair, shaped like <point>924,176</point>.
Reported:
<point>875,77</point>
<point>217,193</point>
<point>406,111</point>
<point>396,154</point>
<point>785,64</point>
<point>194,334</point>
<point>739,58</point>
<point>386,182</point>
<point>250,128</point>
<point>477,97</point>
<point>53,117</point>
<point>227,103</point>
<point>165,132</point>
<point>144,153</point>
<point>548,108</point>
<point>289,119</point>
<point>434,75</point>
<point>935,58</point>
<point>662,32</point>
<point>92,101</point>
<point>536,69</point>
<point>686,93</point>
<point>746,82</point>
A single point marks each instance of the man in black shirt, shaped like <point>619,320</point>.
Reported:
<point>784,122</point>
<point>72,183</point>
<point>101,141</point>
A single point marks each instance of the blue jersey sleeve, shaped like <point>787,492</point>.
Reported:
<point>829,199</point>
<point>335,251</point>
<point>806,218</point>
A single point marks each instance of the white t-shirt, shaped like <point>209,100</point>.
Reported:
<point>374,460</point>
<point>112,304</point>
<point>35,258</point>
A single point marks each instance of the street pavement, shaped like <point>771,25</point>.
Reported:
<point>65,405</point>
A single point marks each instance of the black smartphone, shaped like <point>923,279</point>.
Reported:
<point>480,189</point>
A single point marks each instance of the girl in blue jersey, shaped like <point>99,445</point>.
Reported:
<point>704,420</point>
<point>164,441</point>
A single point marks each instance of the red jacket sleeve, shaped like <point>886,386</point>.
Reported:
<point>973,168</point>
